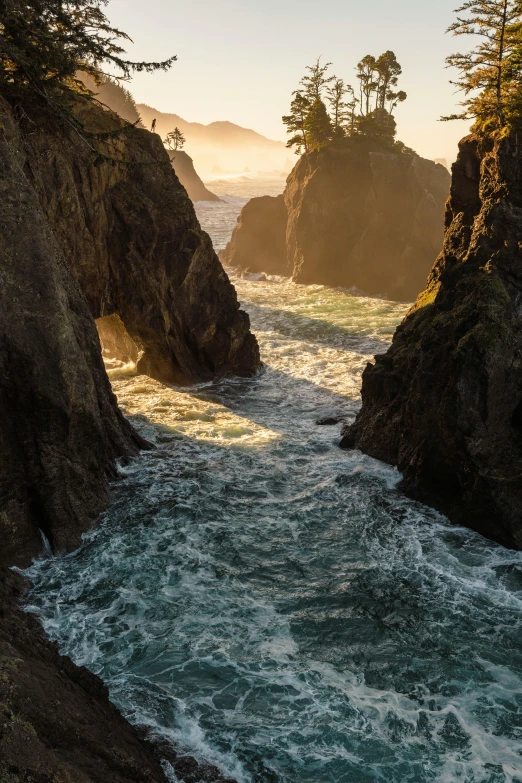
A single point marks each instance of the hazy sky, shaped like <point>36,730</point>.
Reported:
<point>240,60</point>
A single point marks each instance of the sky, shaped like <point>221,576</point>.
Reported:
<point>240,60</point>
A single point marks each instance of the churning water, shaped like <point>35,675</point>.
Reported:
<point>269,602</point>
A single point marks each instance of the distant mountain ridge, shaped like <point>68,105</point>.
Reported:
<point>220,131</point>
<point>221,145</point>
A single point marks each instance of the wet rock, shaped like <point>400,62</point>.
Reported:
<point>444,403</point>
<point>115,340</point>
<point>327,421</point>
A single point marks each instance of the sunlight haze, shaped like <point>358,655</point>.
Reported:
<point>240,61</point>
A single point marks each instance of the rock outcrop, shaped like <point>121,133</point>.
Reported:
<point>358,214</point>
<point>60,427</point>
<point>83,238</point>
<point>183,165</point>
<point>131,237</point>
<point>80,241</point>
<point>258,242</point>
<point>444,403</point>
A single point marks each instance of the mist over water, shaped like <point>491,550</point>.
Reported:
<point>269,602</point>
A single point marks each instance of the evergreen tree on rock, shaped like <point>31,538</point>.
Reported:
<point>295,123</point>
<point>318,126</point>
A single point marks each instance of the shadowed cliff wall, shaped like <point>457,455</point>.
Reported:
<point>444,403</point>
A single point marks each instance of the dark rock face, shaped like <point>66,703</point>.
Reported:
<point>358,215</point>
<point>259,239</point>
<point>56,720</point>
<point>78,241</point>
<point>131,237</point>
<point>183,165</point>
<point>60,427</point>
<point>444,403</point>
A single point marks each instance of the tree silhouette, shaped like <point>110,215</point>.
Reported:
<point>318,126</point>
<point>316,80</point>
<point>45,43</point>
<point>175,140</point>
<point>367,74</point>
<point>490,73</point>
<point>342,102</point>
<point>295,123</point>
<point>313,127</point>
<point>388,72</point>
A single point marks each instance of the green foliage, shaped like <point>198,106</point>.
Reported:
<point>174,140</point>
<point>295,122</point>
<point>489,74</point>
<point>45,43</point>
<point>342,102</point>
<point>312,126</point>
<point>318,126</point>
<point>316,80</point>
<point>379,123</point>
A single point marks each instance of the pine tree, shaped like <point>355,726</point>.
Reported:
<point>490,73</point>
<point>388,72</point>
<point>316,81</point>
<point>295,123</point>
<point>175,140</point>
<point>45,43</point>
<point>368,84</point>
<point>318,126</point>
<point>342,102</point>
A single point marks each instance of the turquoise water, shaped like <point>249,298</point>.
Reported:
<point>269,602</point>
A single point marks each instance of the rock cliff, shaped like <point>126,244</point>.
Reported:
<point>258,242</point>
<point>358,214</point>
<point>81,241</point>
<point>115,97</point>
<point>60,427</point>
<point>133,242</point>
<point>83,237</point>
<point>183,165</point>
<point>444,403</point>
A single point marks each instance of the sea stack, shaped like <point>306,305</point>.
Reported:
<point>357,213</point>
<point>444,403</point>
